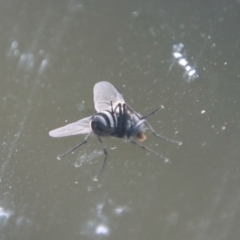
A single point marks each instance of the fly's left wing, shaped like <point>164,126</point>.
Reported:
<point>105,93</point>
<point>80,127</point>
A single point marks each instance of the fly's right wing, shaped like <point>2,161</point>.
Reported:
<point>105,93</point>
<point>80,127</point>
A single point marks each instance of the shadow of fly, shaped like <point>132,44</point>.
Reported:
<point>113,117</point>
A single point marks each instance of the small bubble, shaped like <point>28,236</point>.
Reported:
<point>41,52</point>
<point>80,7</point>
<point>179,143</point>
<point>81,105</point>
<point>152,32</point>
<point>121,210</point>
<point>14,45</point>
<point>120,49</point>
<point>16,53</point>
<point>166,160</point>
<point>135,14</point>
<point>89,189</point>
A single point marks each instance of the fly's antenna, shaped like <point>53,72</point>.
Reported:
<point>72,149</point>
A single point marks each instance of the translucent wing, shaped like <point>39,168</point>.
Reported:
<point>80,127</point>
<point>105,93</point>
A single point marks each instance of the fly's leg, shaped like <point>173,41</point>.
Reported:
<point>118,106</point>
<point>159,136</point>
<point>104,161</point>
<point>141,118</point>
<point>72,149</point>
<point>151,128</point>
<point>111,106</point>
<point>150,150</point>
<point>150,114</point>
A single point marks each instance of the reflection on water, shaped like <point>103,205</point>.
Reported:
<point>85,157</point>
<point>28,61</point>
<point>179,56</point>
<point>98,224</point>
<point>99,221</point>
<point>4,216</point>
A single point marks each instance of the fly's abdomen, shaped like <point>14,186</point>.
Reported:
<point>104,123</point>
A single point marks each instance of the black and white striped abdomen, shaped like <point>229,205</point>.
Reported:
<point>104,123</point>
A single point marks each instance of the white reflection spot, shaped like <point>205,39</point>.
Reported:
<point>4,213</point>
<point>43,66</point>
<point>26,61</point>
<point>192,73</point>
<point>102,230</point>
<point>166,160</point>
<point>14,45</point>
<point>180,58</point>
<point>4,216</point>
<point>177,55</point>
<point>13,51</point>
<point>183,62</point>
<point>188,68</point>
<point>120,210</point>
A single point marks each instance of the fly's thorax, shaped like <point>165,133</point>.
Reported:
<point>103,123</point>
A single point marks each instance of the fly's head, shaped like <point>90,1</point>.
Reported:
<point>136,130</point>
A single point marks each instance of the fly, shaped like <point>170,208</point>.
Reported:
<point>113,117</point>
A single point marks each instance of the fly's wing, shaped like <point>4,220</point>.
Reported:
<point>105,93</point>
<point>80,127</point>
